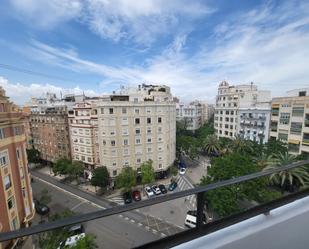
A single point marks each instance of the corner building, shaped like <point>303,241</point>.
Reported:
<point>16,203</point>
<point>290,120</point>
<point>137,125</point>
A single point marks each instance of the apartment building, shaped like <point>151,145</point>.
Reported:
<point>242,110</point>
<point>290,120</point>
<point>83,126</point>
<point>49,126</point>
<point>136,125</point>
<point>191,114</point>
<point>15,191</point>
<point>207,112</point>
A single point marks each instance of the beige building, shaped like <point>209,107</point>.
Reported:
<point>136,125</point>
<point>16,203</point>
<point>83,126</point>
<point>290,120</point>
<point>207,112</point>
<point>242,110</point>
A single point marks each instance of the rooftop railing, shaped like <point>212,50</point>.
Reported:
<point>187,235</point>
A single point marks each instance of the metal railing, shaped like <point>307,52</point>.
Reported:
<point>198,191</point>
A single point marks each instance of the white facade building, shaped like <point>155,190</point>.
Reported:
<point>242,110</point>
<point>191,114</point>
<point>136,125</point>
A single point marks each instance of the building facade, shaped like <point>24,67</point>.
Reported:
<point>242,110</point>
<point>207,112</point>
<point>191,115</point>
<point>83,126</point>
<point>135,126</point>
<point>290,120</point>
<point>16,203</point>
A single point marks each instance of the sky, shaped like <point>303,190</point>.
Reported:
<point>97,46</point>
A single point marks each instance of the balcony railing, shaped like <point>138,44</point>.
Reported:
<point>187,235</point>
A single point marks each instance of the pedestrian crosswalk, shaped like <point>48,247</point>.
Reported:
<point>184,184</point>
<point>117,199</point>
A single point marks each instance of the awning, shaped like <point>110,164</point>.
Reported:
<point>292,141</point>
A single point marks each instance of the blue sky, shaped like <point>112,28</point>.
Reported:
<point>96,46</point>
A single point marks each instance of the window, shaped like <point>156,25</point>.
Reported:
<point>137,141</point>
<point>124,121</point>
<point>159,120</point>
<point>125,142</point>
<point>296,128</point>
<point>17,153</point>
<point>283,136</point>
<point>148,130</point>
<point>125,131</point>
<point>113,142</point>
<point>115,172</point>
<point>11,203</point>
<point>126,152</point>
<point>104,142</point>
<point>137,121</point>
<point>284,118</point>
<point>83,158</point>
<point>302,93</point>
<point>2,135</point>
<point>275,111</point>
<point>7,182</point>
<point>274,126</point>
<point>111,111</point>
<point>138,131</point>
<point>148,120</point>
<point>138,160</point>
<point>148,140</point>
<point>298,111</point>
<point>124,110</point>
<point>159,129</point>
<point>148,150</point>
<point>136,111</point>
<point>4,158</point>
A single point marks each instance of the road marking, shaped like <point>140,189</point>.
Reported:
<point>120,215</point>
<point>163,235</point>
<point>68,192</point>
<point>132,221</point>
<point>126,218</point>
<point>147,228</point>
<point>77,205</point>
<point>139,224</point>
<point>154,231</point>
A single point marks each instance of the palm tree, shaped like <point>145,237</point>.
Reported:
<point>292,178</point>
<point>241,145</point>
<point>263,160</point>
<point>211,145</point>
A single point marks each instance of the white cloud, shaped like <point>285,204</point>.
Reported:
<point>268,46</point>
<point>21,93</point>
<point>137,20</point>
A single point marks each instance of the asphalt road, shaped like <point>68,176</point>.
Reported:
<point>120,231</point>
<point>111,232</point>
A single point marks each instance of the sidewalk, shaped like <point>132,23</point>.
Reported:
<point>197,169</point>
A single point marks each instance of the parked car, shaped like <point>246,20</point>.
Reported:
<point>156,189</point>
<point>76,229</point>
<point>190,220</point>
<point>182,171</point>
<point>40,208</point>
<point>162,189</point>
<point>71,241</point>
<point>127,198</point>
<point>149,191</point>
<point>172,186</point>
<point>136,195</point>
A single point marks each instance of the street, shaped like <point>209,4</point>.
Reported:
<point>120,231</point>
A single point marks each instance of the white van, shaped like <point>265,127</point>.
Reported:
<point>190,220</point>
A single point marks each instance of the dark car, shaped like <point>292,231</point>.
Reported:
<point>172,186</point>
<point>162,188</point>
<point>127,197</point>
<point>136,195</point>
<point>41,208</point>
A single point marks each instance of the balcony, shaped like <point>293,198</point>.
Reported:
<point>283,219</point>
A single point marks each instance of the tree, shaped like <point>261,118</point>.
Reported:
<point>61,166</point>
<point>225,200</point>
<point>211,145</point>
<point>126,179</point>
<point>187,145</point>
<point>75,169</point>
<point>33,155</point>
<point>287,178</point>
<point>274,147</point>
<point>242,145</point>
<point>147,172</point>
<point>88,242</point>
<point>100,177</point>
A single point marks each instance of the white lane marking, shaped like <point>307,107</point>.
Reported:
<point>78,204</point>
<point>68,192</point>
<point>132,221</point>
<point>154,231</point>
<point>163,235</point>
